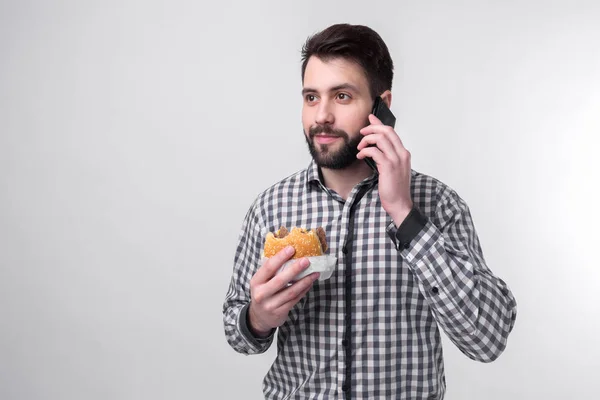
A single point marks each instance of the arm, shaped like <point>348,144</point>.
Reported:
<point>260,299</point>
<point>235,308</point>
<point>475,308</point>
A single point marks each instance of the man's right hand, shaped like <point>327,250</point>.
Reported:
<point>271,296</point>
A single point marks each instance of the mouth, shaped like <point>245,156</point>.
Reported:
<point>326,139</point>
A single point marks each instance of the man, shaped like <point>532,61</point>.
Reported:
<point>409,259</point>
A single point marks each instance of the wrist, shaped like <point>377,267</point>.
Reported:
<point>400,213</point>
<point>255,328</point>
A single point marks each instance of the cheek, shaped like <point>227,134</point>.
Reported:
<point>307,118</point>
<point>355,121</point>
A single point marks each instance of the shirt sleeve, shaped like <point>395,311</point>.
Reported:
<point>235,307</point>
<point>474,307</point>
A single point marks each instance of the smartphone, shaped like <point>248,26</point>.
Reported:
<point>385,115</point>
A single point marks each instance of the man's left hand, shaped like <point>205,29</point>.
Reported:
<point>393,164</point>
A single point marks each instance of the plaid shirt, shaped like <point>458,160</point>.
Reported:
<point>371,330</point>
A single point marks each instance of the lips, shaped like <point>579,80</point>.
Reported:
<point>325,139</point>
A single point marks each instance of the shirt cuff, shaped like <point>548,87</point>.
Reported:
<point>446,290</point>
<point>412,225</point>
<point>247,333</point>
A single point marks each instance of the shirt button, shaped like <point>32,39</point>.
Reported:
<point>434,290</point>
<point>345,387</point>
<point>406,245</point>
<point>345,342</point>
<point>345,250</point>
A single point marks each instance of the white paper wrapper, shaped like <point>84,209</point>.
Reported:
<point>325,265</point>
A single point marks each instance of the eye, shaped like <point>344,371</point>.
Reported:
<point>343,96</point>
<point>310,98</point>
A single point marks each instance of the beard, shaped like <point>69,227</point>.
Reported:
<point>325,156</point>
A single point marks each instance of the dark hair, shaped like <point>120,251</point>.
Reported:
<point>357,43</point>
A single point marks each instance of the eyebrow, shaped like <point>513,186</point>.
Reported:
<point>343,86</point>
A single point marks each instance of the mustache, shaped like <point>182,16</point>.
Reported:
<point>325,129</point>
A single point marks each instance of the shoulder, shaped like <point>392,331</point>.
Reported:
<point>431,194</point>
<point>289,187</point>
<point>295,182</point>
<point>428,186</point>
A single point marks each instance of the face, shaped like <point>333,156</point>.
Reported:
<point>336,106</point>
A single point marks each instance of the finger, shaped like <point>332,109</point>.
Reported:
<point>372,152</point>
<point>382,142</point>
<point>303,286</point>
<point>270,267</point>
<point>374,120</point>
<point>386,130</point>
<point>282,279</point>
<point>379,128</point>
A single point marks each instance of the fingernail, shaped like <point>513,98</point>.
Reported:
<point>289,250</point>
<point>304,262</point>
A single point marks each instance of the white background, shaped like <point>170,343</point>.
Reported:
<point>135,134</point>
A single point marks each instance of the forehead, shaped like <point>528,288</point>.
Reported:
<point>323,75</point>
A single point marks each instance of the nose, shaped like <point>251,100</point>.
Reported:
<point>324,115</point>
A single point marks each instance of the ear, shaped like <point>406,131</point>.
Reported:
<point>387,98</point>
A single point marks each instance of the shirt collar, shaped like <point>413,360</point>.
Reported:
<point>314,177</point>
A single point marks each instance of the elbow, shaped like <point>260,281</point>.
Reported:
<point>487,356</point>
<point>486,348</point>
<point>489,343</point>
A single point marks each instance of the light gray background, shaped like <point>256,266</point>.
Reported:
<point>135,134</point>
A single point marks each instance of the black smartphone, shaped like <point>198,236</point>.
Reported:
<point>385,115</point>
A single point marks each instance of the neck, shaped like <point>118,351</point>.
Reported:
<point>342,181</point>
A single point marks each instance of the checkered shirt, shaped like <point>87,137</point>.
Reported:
<point>371,331</point>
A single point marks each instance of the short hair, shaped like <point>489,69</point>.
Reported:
<point>357,43</point>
